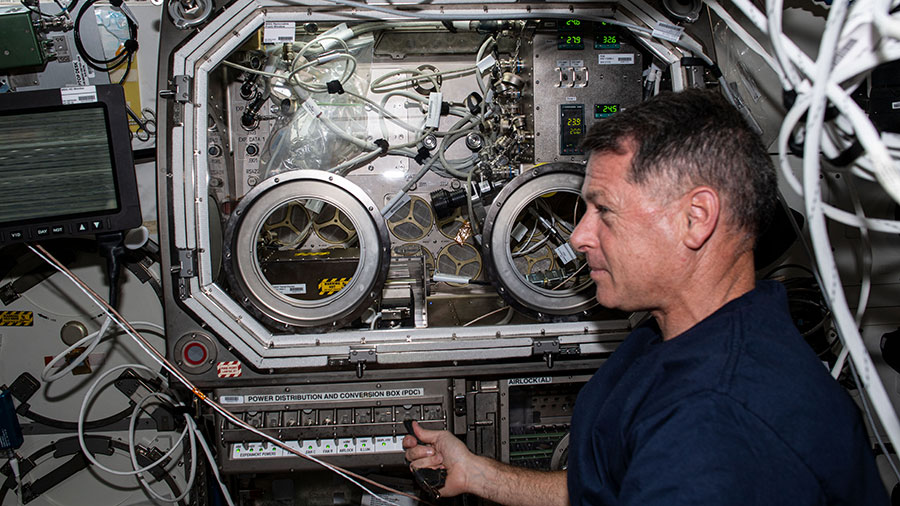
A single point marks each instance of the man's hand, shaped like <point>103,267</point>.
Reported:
<point>442,450</point>
<point>473,474</point>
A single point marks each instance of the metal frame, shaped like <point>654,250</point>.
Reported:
<point>195,297</point>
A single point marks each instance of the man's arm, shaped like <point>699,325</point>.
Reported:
<point>484,477</point>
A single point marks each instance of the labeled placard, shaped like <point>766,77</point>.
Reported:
<point>615,59</point>
<point>279,32</point>
<point>78,95</point>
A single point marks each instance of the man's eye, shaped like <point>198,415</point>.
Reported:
<point>602,209</point>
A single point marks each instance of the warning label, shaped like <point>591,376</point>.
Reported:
<point>333,396</point>
<point>16,318</point>
<point>231,369</point>
<point>330,286</point>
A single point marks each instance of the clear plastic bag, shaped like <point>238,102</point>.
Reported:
<point>303,141</point>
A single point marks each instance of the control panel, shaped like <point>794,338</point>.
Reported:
<point>355,424</point>
<point>583,71</point>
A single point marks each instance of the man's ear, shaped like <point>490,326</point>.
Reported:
<point>702,210</point>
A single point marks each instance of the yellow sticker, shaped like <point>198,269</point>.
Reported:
<point>312,253</point>
<point>331,286</point>
<point>16,319</point>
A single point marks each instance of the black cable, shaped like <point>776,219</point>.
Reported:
<point>70,426</point>
<point>67,447</point>
<point>127,70</point>
<point>112,247</point>
<point>108,64</point>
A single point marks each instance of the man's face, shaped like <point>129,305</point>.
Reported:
<point>628,236</point>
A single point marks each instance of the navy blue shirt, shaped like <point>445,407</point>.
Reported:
<point>737,410</point>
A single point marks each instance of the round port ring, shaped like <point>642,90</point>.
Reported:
<point>503,216</point>
<point>246,276</point>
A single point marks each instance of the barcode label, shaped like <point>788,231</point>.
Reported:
<point>78,95</point>
<point>433,119</point>
<point>275,32</point>
<point>667,31</point>
<point>291,289</point>
<point>565,253</point>
<point>615,59</point>
<point>312,108</point>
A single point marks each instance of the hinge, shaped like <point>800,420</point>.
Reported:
<point>181,90</point>
<point>360,356</point>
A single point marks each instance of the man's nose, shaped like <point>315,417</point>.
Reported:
<point>580,236</point>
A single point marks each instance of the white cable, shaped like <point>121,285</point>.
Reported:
<point>14,464</point>
<point>882,164</point>
<point>132,450</point>
<point>92,338</point>
<point>388,208</point>
<point>215,469</point>
<point>871,420</point>
<point>790,121</point>
<point>790,79</point>
<point>83,411</point>
<point>378,85</point>
<point>158,357</point>
<point>826,84</point>
<point>866,282</point>
<point>831,284</point>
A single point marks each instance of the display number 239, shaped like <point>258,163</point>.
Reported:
<point>573,122</point>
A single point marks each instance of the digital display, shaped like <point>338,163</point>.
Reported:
<point>607,41</point>
<point>66,168</point>
<point>55,161</point>
<point>571,129</point>
<point>605,110</point>
<point>570,41</point>
<point>571,25</point>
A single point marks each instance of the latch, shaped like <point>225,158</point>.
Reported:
<point>360,357</point>
<point>181,90</point>
<point>459,405</point>
<point>187,264</point>
<point>546,347</point>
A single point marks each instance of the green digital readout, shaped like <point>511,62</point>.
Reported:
<point>570,42</point>
<point>607,41</point>
<point>571,25</point>
<point>571,129</point>
<point>605,110</point>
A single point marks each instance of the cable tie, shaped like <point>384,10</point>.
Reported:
<point>445,108</point>
<point>130,45</point>
<point>473,102</point>
<point>423,155</point>
<point>788,97</point>
<point>335,86</point>
<point>383,144</point>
